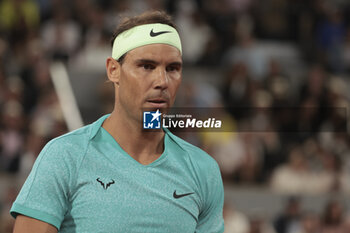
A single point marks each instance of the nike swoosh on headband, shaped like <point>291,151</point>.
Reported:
<point>153,34</point>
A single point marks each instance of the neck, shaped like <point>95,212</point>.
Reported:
<point>143,146</point>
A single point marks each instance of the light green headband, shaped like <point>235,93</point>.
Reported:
<point>156,33</point>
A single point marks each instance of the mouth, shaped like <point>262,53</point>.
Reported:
<point>157,103</point>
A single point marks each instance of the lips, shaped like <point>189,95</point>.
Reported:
<point>157,102</point>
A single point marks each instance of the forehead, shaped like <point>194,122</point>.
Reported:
<point>157,52</point>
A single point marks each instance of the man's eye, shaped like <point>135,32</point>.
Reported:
<point>172,68</point>
<point>148,66</point>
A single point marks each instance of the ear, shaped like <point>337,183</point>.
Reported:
<point>113,70</point>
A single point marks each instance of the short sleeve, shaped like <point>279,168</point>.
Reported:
<point>210,219</point>
<point>44,195</point>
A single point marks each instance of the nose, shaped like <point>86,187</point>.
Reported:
<point>161,79</point>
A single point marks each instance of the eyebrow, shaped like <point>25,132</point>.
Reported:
<point>146,61</point>
<point>177,63</point>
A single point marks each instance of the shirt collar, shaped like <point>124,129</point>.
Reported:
<point>97,125</point>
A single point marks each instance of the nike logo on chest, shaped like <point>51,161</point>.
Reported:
<point>177,196</point>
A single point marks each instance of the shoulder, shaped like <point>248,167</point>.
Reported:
<point>77,137</point>
<point>197,156</point>
<point>69,146</point>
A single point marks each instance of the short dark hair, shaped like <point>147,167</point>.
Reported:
<point>147,17</point>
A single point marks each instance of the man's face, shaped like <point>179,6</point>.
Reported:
<point>149,78</point>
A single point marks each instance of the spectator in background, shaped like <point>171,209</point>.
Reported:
<point>279,85</point>
<point>289,220</point>
<point>330,37</point>
<point>34,72</point>
<point>247,50</point>
<point>11,136</point>
<point>310,223</point>
<point>258,224</point>
<point>227,149</point>
<point>194,30</point>
<point>346,51</point>
<point>332,218</point>
<point>292,177</point>
<point>221,19</point>
<point>236,90</point>
<point>313,96</point>
<point>315,86</point>
<point>273,19</point>
<point>331,169</point>
<point>249,171</point>
<point>235,221</point>
<point>298,176</point>
<point>324,167</point>
<point>337,105</point>
<point>47,117</point>
<point>61,35</point>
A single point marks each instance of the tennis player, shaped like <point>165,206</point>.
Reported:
<point>112,176</point>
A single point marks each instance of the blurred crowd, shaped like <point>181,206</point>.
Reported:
<point>290,120</point>
<point>293,218</point>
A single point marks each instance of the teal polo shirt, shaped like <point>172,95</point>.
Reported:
<point>84,181</point>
